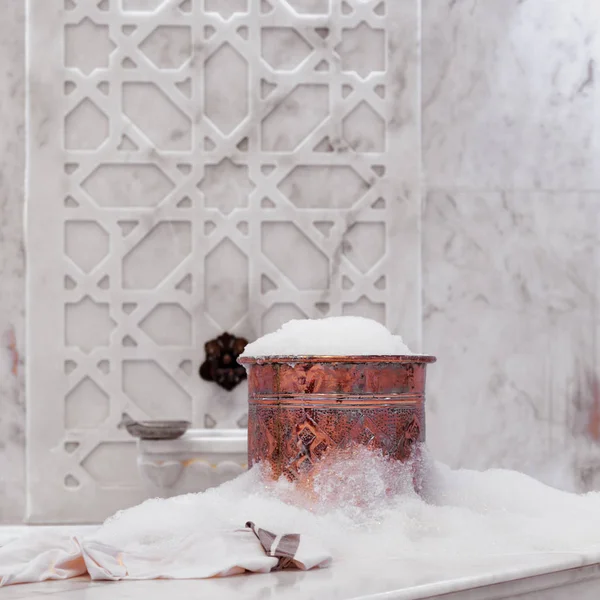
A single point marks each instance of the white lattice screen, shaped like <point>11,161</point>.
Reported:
<point>199,166</point>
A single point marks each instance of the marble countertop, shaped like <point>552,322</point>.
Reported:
<point>554,575</point>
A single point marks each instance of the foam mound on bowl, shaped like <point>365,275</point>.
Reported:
<point>333,336</point>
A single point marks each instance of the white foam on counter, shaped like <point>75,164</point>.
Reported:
<point>363,508</point>
<point>333,336</point>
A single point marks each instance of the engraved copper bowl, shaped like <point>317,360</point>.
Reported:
<point>302,407</point>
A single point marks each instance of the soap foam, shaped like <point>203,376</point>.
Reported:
<point>363,507</point>
<point>333,336</point>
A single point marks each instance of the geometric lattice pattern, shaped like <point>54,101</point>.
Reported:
<point>199,166</point>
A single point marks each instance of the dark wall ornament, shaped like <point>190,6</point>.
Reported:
<point>221,364</point>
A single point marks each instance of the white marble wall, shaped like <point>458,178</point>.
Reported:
<point>510,162</point>
<point>12,260</point>
<point>510,234</point>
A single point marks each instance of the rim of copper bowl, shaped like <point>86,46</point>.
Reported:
<point>349,358</point>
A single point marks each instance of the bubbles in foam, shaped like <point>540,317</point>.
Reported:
<point>354,479</point>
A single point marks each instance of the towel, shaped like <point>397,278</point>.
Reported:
<point>40,556</point>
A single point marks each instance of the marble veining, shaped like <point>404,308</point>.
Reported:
<point>12,261</point>
<point>510,288</point>
<point>510,94</point>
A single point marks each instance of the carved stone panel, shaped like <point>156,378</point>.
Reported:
<point>197,167</point>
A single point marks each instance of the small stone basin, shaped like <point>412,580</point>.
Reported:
<point>196,461</point>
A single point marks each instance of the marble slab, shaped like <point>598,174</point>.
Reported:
<point>510,94</point>
<point>510,287</point>
<point>547,576</point>
<point>196,167</point>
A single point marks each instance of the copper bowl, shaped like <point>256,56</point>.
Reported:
<point>302,407</point>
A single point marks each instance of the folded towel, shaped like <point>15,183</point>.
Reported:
<point>40,556</point>
<point>292,550</point>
